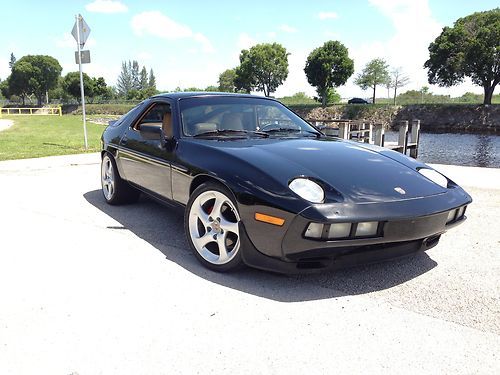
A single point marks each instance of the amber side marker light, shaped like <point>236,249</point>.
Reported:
<point>269,219</point>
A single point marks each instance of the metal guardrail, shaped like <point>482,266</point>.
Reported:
<point>55,111</point>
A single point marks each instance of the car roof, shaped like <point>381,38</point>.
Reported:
<point>193,94</point>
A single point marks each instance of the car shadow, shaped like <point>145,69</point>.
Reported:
<point>162,227</point>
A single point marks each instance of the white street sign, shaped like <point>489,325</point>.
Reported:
<point>84,57</point>
<point>84,31</point>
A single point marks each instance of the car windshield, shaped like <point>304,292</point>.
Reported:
<point>225,116</point>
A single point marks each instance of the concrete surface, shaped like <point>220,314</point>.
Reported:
<point>87,288</point>
<point>5,124</point>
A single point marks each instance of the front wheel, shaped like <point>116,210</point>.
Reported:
<point>212,228</point>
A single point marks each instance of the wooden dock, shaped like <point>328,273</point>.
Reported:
<point>373,133</point>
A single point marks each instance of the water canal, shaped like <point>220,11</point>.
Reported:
<point>476,150</point>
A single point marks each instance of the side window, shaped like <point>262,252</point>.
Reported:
<point>157,115</point>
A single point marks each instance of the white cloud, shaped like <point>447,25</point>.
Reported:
<point>106,6</point>
<point>245,41</point>
<point>206,45</point>
<point>4,68</point>
<point>200,75</point>
<point>67,41</point>
<point>271,34</point>
<point>327,15</point>
<point>288,29</point>
<point>144,56</point>
<point>414,29</point>
<point>157,24</point>
<point>296,80</point>
<point>332,35</point>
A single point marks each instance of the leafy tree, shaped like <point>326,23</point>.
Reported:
<point>211,89</point>
<point>70,83</point>
<point>100,88</point>
<point>398,79</point>
<point>34,74</point>
<point>327,67</point>
<point>19,80</point>
<point>375,73</point>
<point>125,81</point>
<point>226,80</point>
<point>298,99</point>
<point>12,60</point>
<point>152,80</point>
<point>470,48</point>
<point>141,94</point>
<point>2,85</point>
<point>331,97</point>
<point>136,79</point>
<point>143,78</point>
<point>469,97</point>
<point>243,81</point>
<point>58,93</point>
<point>263,67</point>
<point>4,88</point>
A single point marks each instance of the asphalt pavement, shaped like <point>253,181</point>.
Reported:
<point>87,288</point>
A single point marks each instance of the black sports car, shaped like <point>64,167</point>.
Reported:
<point>263,187</point>
<point>357,101</point>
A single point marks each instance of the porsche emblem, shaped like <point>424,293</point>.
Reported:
<point>400,190</point>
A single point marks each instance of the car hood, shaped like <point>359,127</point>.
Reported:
<point>360,174</point>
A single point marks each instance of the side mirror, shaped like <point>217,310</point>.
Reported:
<point>153,132</point>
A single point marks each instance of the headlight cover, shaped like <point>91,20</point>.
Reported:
<point>307,189</point>
<point>434,176</point>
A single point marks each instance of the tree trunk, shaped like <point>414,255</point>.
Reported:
<point>323,97</point>
<point>488,94</point>
<point>373,98</point>
<point>395,90</point>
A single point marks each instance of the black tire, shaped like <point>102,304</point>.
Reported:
<point>114,189</point>
<point>207,200</point>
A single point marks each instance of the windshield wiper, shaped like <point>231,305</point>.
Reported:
<point>291,130</point>
<point>230,132</point>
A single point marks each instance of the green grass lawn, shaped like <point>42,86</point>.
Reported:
<point>37,136</point>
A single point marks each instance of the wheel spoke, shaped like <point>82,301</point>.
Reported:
<point>202,215</point>
<point>109,169</point>
<point>216,210</point>
<point>202,241</point>
<point>221,242</point>
<point>228,226</point>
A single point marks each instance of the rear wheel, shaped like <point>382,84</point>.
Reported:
<point>114,188</point>
<point>212,227</point>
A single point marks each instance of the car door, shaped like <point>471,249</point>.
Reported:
<point>144,158</point>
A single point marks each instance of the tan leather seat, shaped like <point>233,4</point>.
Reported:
<point>232,121</point>
<point>167,125</point>
<point>203,127</point>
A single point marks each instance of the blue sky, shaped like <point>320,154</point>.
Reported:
<point>188,43</point>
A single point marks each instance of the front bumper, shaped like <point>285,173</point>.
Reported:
<point>406,227</point>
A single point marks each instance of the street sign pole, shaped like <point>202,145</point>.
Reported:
<point>82,91</point>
